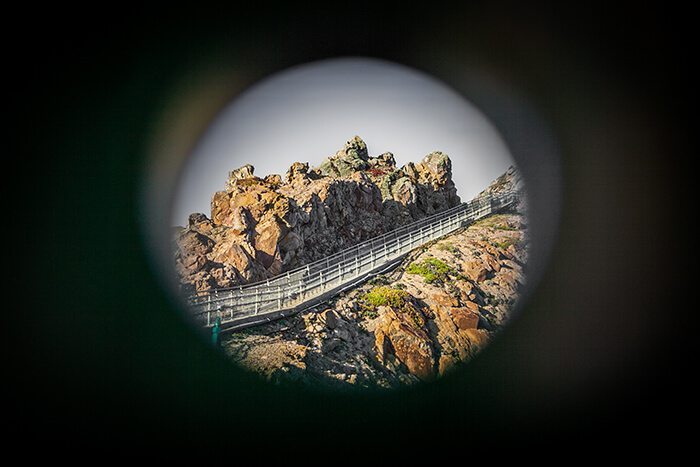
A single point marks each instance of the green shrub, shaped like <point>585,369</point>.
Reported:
<point>432,270</point>
<point>386,296</point>
<point>395,298</point>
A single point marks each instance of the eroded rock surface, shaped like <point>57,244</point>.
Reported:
<point>260,227</point>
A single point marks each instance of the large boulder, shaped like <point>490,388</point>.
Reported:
<point>400,333</point>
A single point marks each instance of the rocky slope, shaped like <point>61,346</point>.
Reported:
<point>260,227</point>
<point>432,313</point>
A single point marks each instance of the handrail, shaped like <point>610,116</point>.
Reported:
<point>293,288</point>
<point>325,259</point>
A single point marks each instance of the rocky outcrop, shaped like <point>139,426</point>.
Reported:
<point>511,180</point>
<point>260,227</point>
<point>429,316</point>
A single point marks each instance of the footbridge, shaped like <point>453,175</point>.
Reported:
<point>309,285</point>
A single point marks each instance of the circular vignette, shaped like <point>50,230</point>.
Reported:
<point>198,102</point>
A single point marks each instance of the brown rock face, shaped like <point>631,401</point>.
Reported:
<point>443,299</point>
<point>262,227</point>
<point>398,332</point>
<point>298,172</point>
<point>464,318</point>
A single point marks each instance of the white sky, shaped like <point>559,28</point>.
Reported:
<point>306,113</point>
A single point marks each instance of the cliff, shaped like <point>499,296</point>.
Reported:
<point>260,227</point>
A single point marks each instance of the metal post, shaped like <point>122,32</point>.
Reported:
<point>215,332</point>
<point>279,297</point>
<point>340,274</point>
<point>257,299</point>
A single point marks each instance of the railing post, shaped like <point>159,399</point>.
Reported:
<point>340,274</point>
<point>279,297</point>
<point>257,299</point>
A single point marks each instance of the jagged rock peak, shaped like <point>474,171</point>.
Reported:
<point>242,172</point>
<point>297,171</point>
<point>351,158</point>
<point>356,147</point>
<point>438,162</point>
<point>386,159</point>
<point>510,180</point>
<point>196,218</point>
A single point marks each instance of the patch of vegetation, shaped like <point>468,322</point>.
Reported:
<point>485,222</point>
<point>432,270</point>
<point>505,227</point>
<point>399,300</point>
<point>367,312</point>
<point>448,247</point>
<point>505,243</point>
<point>492,221</point>
<point>386,296</point>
